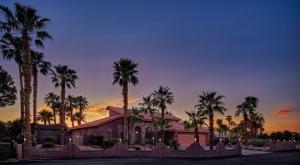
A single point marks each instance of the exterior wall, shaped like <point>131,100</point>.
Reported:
<point>42,134</point>
<point>121,150</point>
<point>186,139</point>
<point>84,135</point>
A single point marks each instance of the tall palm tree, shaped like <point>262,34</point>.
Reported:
<point>26,23</point>
<point>79,117</point>
<point>229,120</point>
<point>161,98</point>
<point>81,103</point>
<point>219,122</point>
<point>162,125</point>
<point>52,101</point>
<point>195,120</point>
<point>63,77</point>
<point>11,49</point>
<point>38,65</point>
<point>71,105</point>
<point>134,116</point>
<point>258,122</point>
<point>147,105</point>
<point>247,108</point>
<point>45,116</point>
<point>125,73</point>
<point>210,102</point>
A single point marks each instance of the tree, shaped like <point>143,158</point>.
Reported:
<point>38,65</point>
<point>52,101</point>
<point>229,120</point>
<point>11,49</point>
<point>63,77</point>
<point>79,117</point>
<point>134,116</point>
<point>3,129</point>
<point>45,116</point>
<point>125,73</point>
<point>7,89</point>
<point>82,103</point>
<point>210,102</point>
<point>195,120</point>
<point>72,103</point>
<point>258,123</point>
<point>219,123</point>
<point>26,23</point>
<point>162,125</point>
<point>147,105</point>
<point>247,108</point>
<point>161,98</point>
<point>14,128</point>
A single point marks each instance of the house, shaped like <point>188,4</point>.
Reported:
<point>142,133</point>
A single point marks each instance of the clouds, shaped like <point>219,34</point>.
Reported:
<point>283,111</point>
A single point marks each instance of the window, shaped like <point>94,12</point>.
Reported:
<point>109,133</point>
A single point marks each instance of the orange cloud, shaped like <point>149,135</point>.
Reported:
<point>283,111</point>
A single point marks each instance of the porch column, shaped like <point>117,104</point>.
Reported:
<point>143,133</point>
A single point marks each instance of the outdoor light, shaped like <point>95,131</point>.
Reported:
<point>70,139</point>
<point>136,132</point>
<point>270,140</point>
<point>278,140</point>
<point>220,139</point>
<point>153,138</point>
<point>195,139</point>
<point>77,136</point>
<point>120,140</point>
<point>159,139</point>
<point>284,140</point>
<point>24,139</point>
<point>240,139</point>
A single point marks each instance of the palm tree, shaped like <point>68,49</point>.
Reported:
<point>162,125</point>
<point>147,106</point>
<point>219,123</point>
<point>258,122</point>
<point>134,116</point>
<point>26,23</point>
<point>247,108</point>
<point>11,49</point>
<point>195,120</point>
<point>63,77</point>
<point>79,117</point>
<point>82,103</point>
<point>45,116</point>
<point>161,98</point>
<point>125,73</point>
<point>210,102</point>
<point>71,105</point>
<point>38,65</point>
<point>52,101</point>
<point>229,120</point>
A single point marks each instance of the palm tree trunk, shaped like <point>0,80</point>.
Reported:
<point>125,108</point>
<point>196,134</point>
<point>154,128</point>
<point>62,113</point>
<point>27,84</point>
<point>62,106</point>
<point>45,122</point>
<point>35,86</point>
<point>72,117</point>
<point>211,130</point>
<point>21,97</point>
<point>48,121</point>
<point>80,112</point>
<point>245,127</point>
<point>54,116</point>
<point>163,130</point>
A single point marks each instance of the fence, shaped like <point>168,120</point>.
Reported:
<point>282,145</point>
<point>121,150</point>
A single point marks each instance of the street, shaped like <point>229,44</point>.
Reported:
<point>278,158</point>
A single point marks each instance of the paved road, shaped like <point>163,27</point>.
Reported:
<point>278,158</point>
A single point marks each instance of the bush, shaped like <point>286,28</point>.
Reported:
<point>48,145</point>
<point>97,140</point>
<point>6,151</point>
<point>173,144</point>
<point>50,139</point>
<point>257,142</point>
<point>19,139</point>
<point>108,144</point>
<point>137,148</point>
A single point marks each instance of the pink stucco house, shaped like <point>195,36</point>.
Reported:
<point>111,128</point>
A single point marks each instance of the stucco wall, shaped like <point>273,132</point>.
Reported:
<point>186,139</point>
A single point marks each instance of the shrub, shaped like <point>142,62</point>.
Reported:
<point>19,139</point>
<point>173,144</point>
<point>48,145</point>
<point>137,148</point>
<point>108,143</point>
<point>50,139</point>
<point>257,142</point>
<point>97,140</point>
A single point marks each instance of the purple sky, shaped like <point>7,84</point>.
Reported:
<point>237,48</point>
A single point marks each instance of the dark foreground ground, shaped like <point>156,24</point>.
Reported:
<point>278,158</point>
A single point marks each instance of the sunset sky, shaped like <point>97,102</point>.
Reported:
<point>237,48</point>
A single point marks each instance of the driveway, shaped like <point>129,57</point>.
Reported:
<point>277,158</point>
